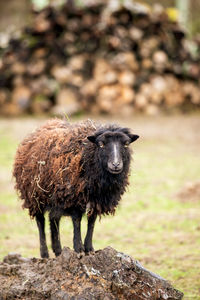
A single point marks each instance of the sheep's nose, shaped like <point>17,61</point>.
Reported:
<point>116,164</point>
<point>115,167</point>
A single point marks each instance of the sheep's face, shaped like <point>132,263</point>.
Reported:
<point>113,149</point>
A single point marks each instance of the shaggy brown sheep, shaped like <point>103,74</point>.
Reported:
<point>69,169</point>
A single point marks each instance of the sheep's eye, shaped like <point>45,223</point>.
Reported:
<point>101,144</point>
<point>126,144</point>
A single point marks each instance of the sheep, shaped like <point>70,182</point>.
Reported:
<point>70,169</point>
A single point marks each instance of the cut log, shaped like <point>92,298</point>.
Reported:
<point>126,77</point>
<point>18,81</point>
<point>148,46</point>
<point>77,62</point>
<point>107,96</point>
<point>11,109</point>
<point>127,95</point>
<point>40,53</point>
<point>41,23</point>
<point>136,34</point>
<point>173,98</point>
<point>43,85</point>
<point>160,58</point>
<point>147,64</point>
<point>67,102</point>
<point>21,98</point>
<point>61,73</point>
<point>125,60</point>
<point>40,105</point>
<point>18,68</point>
<point>192,92</point>
<point>141,101</point>
<point>146,90</point>
<point>4,95</point>
<point>151,109</point>
<point>89,88</point>
<point>36,67</point>
<point>103,72</point>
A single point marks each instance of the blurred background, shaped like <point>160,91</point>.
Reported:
<point>145,57</point>
<point>17,9</point>
<point>136,63</point>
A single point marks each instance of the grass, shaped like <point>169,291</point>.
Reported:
<point>150,224</point>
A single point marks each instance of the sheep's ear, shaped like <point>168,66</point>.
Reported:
<point>92,138</point>
<point>133,137</point>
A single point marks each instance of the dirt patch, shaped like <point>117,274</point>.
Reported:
<point>190,192</point>
<point>106,274</point>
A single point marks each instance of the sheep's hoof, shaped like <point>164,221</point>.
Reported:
<point>89,249</point>
<point>80,254</point>
<point>44,253</point>
<point>57,253</point>
<point>92,252</point>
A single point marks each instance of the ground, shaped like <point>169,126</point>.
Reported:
<point>153,223</point>
<point>103,275</point>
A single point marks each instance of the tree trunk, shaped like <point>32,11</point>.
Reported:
<point>106,274</point>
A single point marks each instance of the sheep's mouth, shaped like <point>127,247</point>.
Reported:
<point>115,171</point>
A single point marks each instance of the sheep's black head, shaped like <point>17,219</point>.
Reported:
<point>112,145</point>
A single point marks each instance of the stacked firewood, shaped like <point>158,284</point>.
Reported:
<point>93,59</point>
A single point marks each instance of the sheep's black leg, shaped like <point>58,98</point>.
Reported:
<point>88,239</point>
<point>41,227</point>
<point>55,234</point>
<point>77,241</point>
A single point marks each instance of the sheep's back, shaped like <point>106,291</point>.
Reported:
<point>48,164</point>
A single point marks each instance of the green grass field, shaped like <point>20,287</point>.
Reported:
<point>151,224</point>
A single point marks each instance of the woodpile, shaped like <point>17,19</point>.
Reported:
<point>93,59</point>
